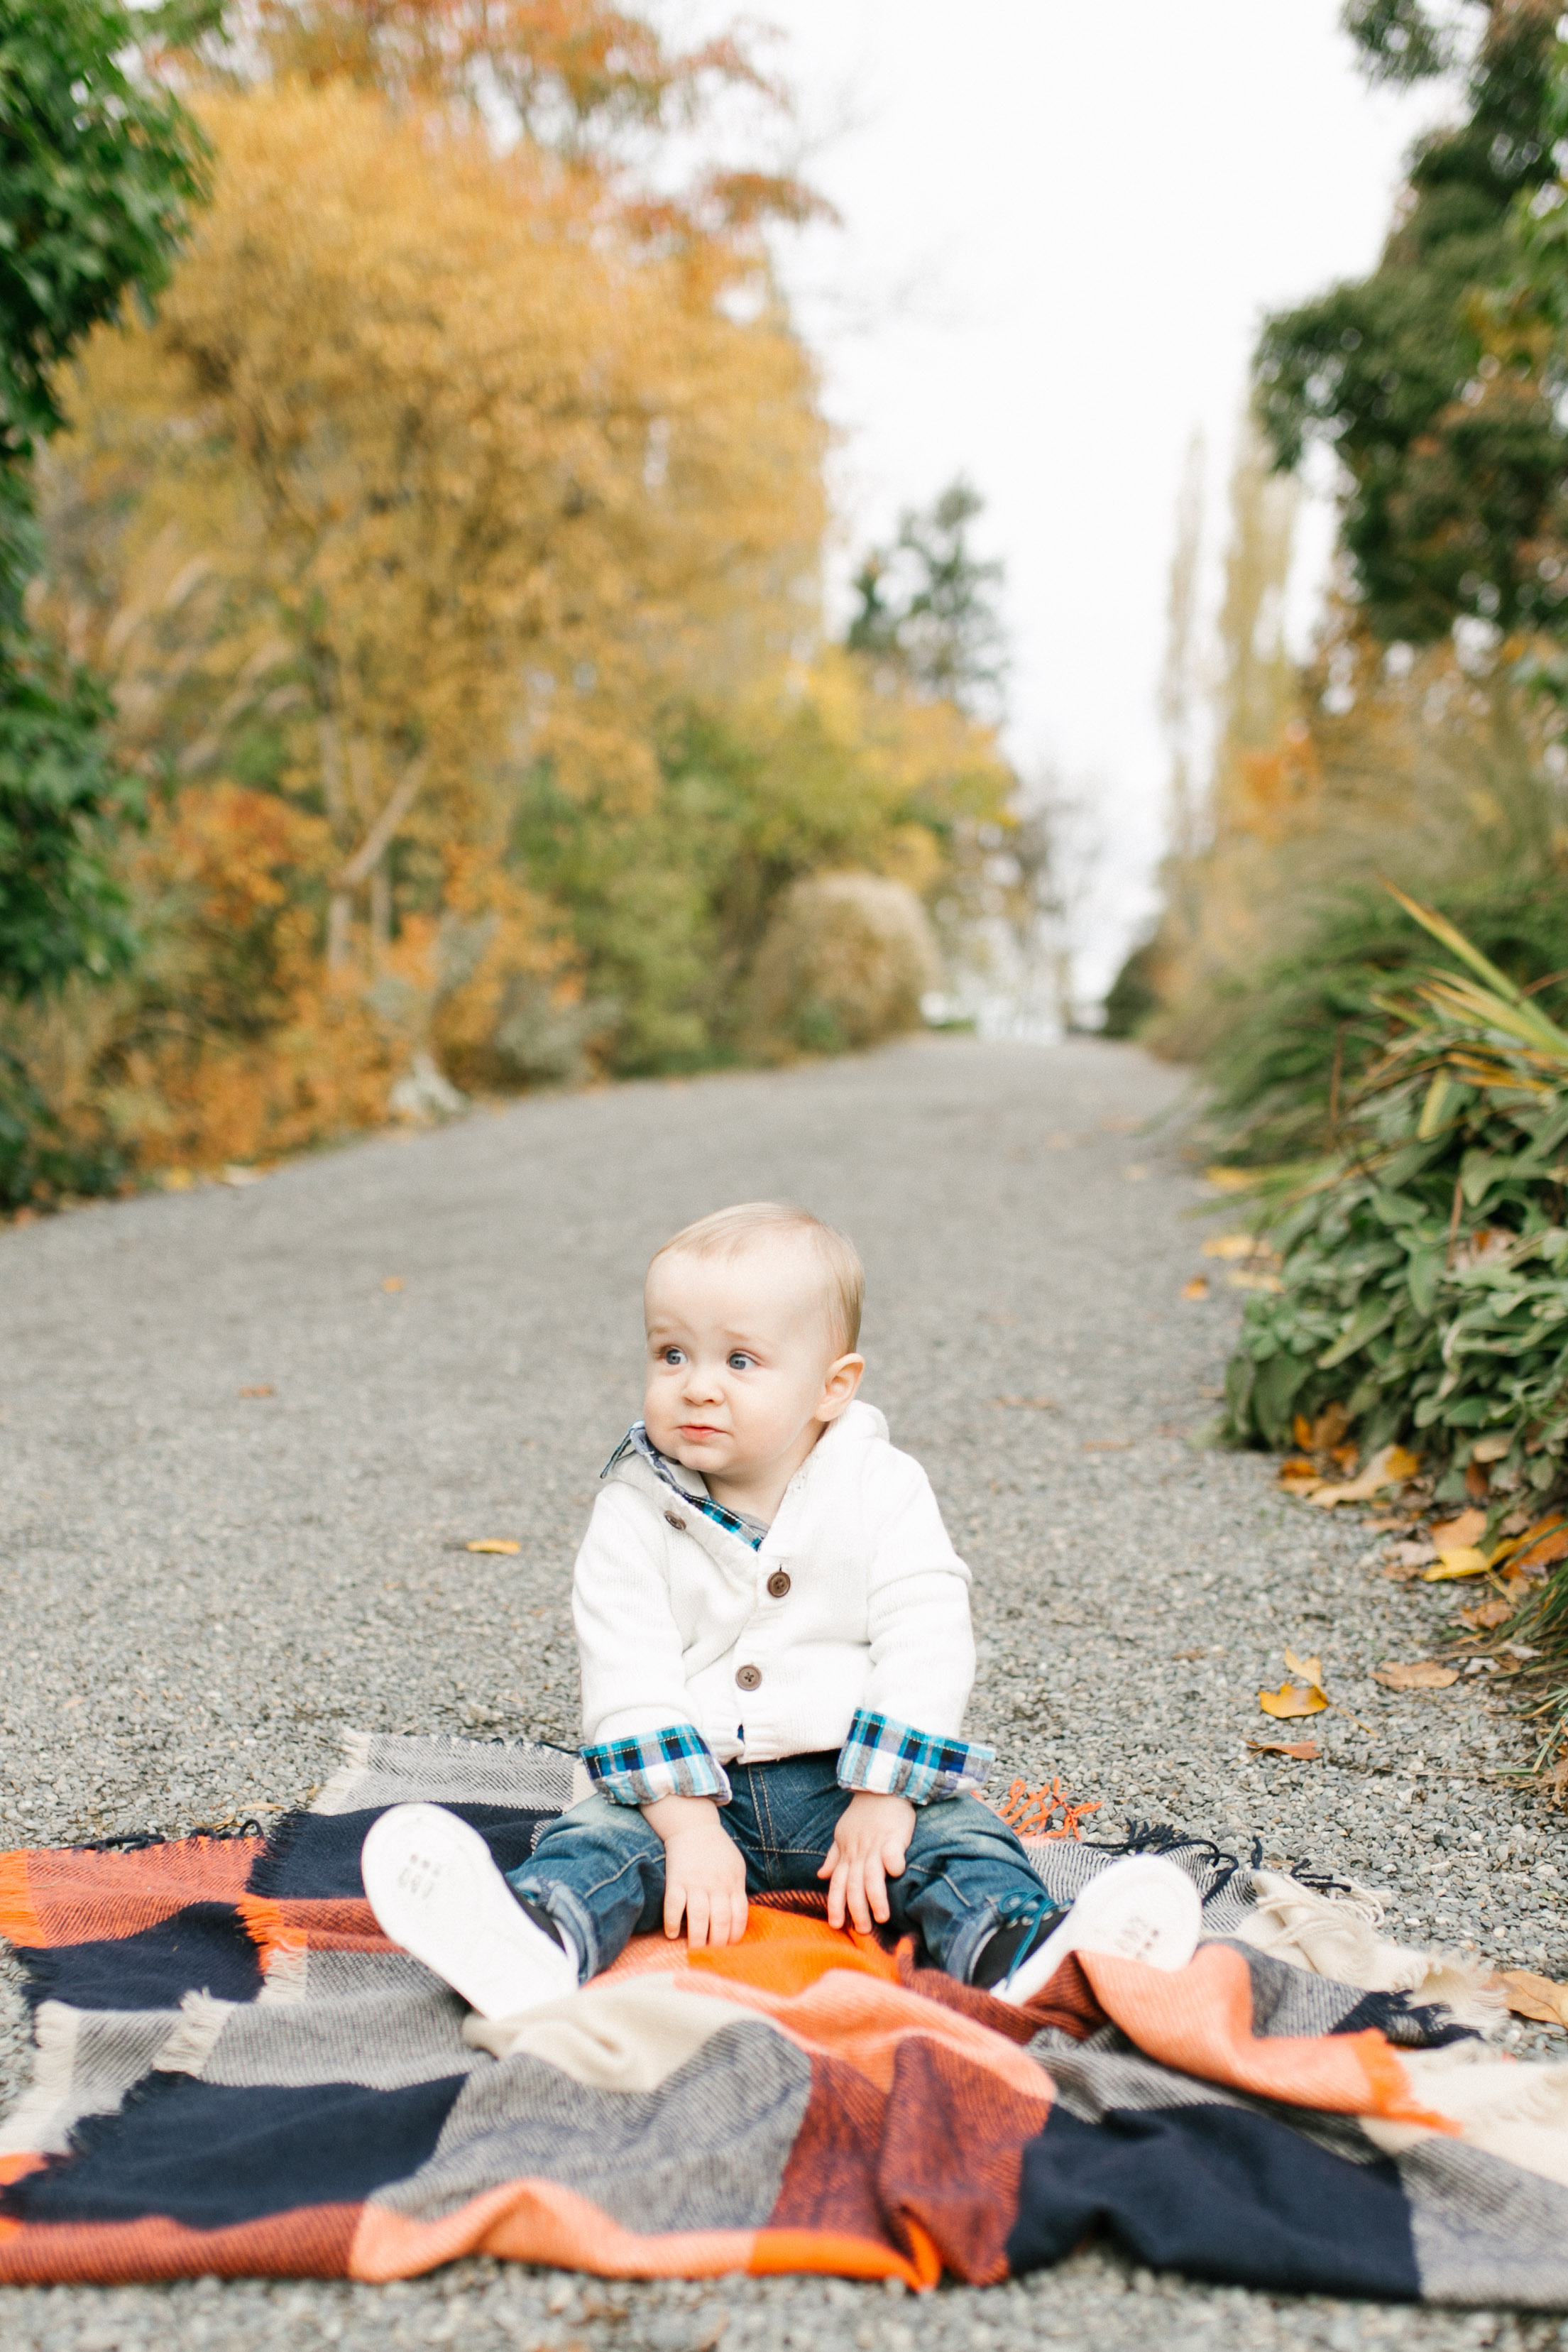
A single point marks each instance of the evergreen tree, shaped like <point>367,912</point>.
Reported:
<point>1455,456</point>
<point>926,605</point>
<point>96,174</point>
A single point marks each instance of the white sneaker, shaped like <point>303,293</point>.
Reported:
<point>1141,1908</point>
<point>434,1888</point>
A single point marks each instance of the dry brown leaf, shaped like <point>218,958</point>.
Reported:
<point>1456,1535</point>
<point>1532,1996</point>
<point>391,1282</point>
<point>1389,1467</point>
<point>1545,1544</point>
<point>1305,1752</point>
<point>1299,1477</point>
<point>1035,1405</point>
<point>1478,1480</point>
<point>493,1543</point>
<point>1493,1448</point>
<point>1329,1427</point>
<point>1420,1674</point>
<point>1487,1613</point>
<point>1230,1245</point>
<point>262,1388</point>
<point>1197,1289</point>
<point>1292,1698</point>
<point>1185,1657</point>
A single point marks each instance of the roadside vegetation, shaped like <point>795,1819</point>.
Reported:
<point>1365,939</point>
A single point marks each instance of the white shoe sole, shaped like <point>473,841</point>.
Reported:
<point>1141,1908</point>
<point>434,1888</point>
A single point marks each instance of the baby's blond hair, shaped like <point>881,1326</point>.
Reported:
<point>728,1231</point>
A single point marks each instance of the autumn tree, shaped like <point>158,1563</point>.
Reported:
<point>927,604</point>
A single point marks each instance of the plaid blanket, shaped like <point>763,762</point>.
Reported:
<point>235,2073</point>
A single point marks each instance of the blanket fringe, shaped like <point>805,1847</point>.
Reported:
<point>32,2128</point>
<point>1336,1935</point>
<point>202,2018</point>
<point>330,1798</point>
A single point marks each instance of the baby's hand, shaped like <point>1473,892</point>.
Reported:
<point>868,1849</point>
<point>705,1876</point>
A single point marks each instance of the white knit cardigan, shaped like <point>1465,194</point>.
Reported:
<point>853,1610</point>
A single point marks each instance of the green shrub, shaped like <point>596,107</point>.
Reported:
<point>1423,1268</point>
<point>1308,1029</point>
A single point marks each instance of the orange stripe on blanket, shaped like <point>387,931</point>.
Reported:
<point>540,2221</point>
<point>1199,2020</point>
<point>782,1950</point>
<point>851,2016</point>
<point>308,2241</point>
<point>53,1895</point>
<point>321,1924</point>
<point>823,2250</point>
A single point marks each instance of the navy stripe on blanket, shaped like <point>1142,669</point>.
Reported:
<point>316,1856</point>
<point>210,2156</point>
<point>1217,2192</point>
<point>203,1949</point>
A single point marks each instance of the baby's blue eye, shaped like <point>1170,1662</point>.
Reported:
<point>740,1364</point>
<point>673,1356</point>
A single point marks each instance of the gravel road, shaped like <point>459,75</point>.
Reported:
<point>245,1431</point>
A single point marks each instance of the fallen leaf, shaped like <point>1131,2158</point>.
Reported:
<point>1487,1613</point>
<point>1466,1562</point>
<point>1311,1670</point>
<point>1305,1752</point>
<point>1243,1278</point>
<point>1478,1480</point>
<point>1231,1245</point>
<point>1493,1448</point>
<point>493,1543</point>
<point>1329,1427</point>
<point>1421,1674</point>
<point>1532,1996</point>
<point>1298,1476</point>
<point>1456,1535</point>
<point>1231,1180</point>
<point>1291,1698</point>
<point>1389,1467</point>
<point>391,1282</point>
<point>261,1389</point>
<point>1185,1657</point>
<point>1520,1649</point>
<point>1197,1289</point>
<point>1037,1404</point>
<point>1544,1545</point>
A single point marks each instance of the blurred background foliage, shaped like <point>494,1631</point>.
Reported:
<point>1426,739</point>
<point>429,564</point>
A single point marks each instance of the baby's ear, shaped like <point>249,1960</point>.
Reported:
<point>839,1387</point>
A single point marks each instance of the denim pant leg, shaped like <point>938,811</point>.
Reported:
<point>599,1871</point>
<point>965,1875</point>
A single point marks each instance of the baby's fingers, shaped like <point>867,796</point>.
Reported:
<point>836,1889</point>
<point>834,1859</point>
<point>675,1906</point>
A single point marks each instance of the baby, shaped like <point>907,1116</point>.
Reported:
<point>776,1654</point>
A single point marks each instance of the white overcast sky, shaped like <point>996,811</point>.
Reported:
<point>1062,222</point>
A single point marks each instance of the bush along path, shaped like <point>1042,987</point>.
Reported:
<point>247,1435</point>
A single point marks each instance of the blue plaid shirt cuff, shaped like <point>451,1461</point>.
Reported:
<point>895,1760</point>
<point>674,1762</point>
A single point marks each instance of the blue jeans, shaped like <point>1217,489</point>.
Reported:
<point>599,1871</point>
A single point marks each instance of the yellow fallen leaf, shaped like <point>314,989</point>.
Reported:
<point>261,1389</point>
<point>393,1282</point>
<point>493,1543</point>
<point>1532,1996</point>
<point>1465,1561</point>
<point>1197,1289</point>
<point>1231,1180</point>
<point>1310,1670</point>
<point>1292,1698</point>
<point>1230,1245</point>
<point>1389,1467</point>
<point>1420,1674</point>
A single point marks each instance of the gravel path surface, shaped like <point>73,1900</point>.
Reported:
<point>441,1340</point>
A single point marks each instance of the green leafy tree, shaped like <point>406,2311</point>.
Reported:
<point>1455,455</point>
<point>97,177</point>
<point>926,603</point>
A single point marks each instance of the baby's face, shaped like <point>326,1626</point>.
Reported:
<point>739,1350</point>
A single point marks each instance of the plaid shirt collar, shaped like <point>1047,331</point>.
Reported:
<point>675,1475</point>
